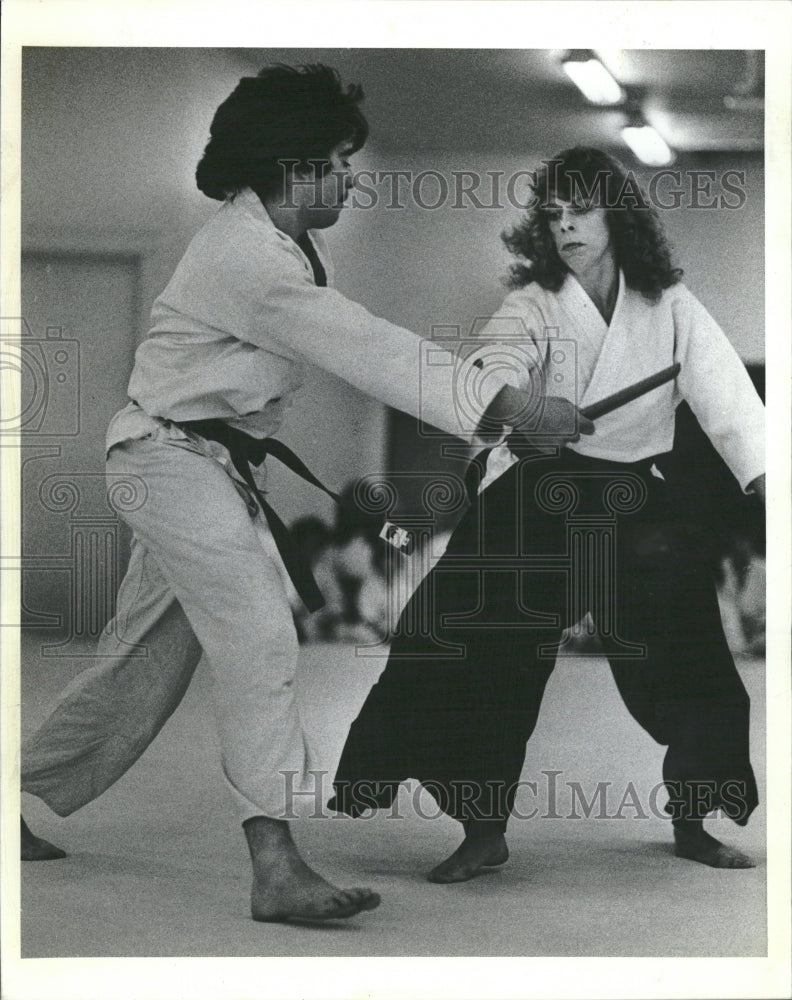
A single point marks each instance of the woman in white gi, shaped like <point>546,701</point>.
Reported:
<point>248,306</point>
<point>460,696</point>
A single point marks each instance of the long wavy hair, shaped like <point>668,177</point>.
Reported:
<point>286,113</point>
<point>588,176</point>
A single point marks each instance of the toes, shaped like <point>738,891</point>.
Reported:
<point>35,848</point>
<point>334,907</point>
<point>356,895</point>
<point>719,857</point>
<point>735,859</point>
<point>457,870</point>
<point>439,878</point>
<point>41,850</point>
<point>371,901</point>
<point>728,857</point>
<point>346,903</point>
<point>357,899</point>
<point>316,905</point>
<point>444,876</point>
<point>337,905</point>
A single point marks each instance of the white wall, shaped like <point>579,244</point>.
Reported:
<point>421,267</point>
<point>722,253</point>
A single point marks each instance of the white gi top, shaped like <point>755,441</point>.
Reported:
<point>586,358</point>
<point>241,316</point>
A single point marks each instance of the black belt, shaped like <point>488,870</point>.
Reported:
<point>564,458</point>
<point>246,451</point>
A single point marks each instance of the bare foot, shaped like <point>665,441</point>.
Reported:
<point>698,845</point>
<point>473,856</point>
<point>286,888</point>
<point>36,849</point>
<point>290,890</point>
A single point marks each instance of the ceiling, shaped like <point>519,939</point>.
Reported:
<point>521,98</point>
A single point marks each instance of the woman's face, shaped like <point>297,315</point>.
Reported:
<point>326,202</point>
<point>337,182</point>
<point>581,234</point>
<point>321,199</point>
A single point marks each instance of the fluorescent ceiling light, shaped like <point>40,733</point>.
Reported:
<point>593,81</point>
<point>648,145</point>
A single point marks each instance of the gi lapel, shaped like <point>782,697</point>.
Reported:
<point>606,376</point>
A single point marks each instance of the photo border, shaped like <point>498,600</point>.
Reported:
<point>447,24</point>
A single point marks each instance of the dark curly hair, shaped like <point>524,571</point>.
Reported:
<point>589,176</point>
<point>297,113</point>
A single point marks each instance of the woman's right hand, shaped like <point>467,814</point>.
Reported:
<point>558,422</point>
<point>546,420</point>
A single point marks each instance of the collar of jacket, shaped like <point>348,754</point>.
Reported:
<point>249,202</point>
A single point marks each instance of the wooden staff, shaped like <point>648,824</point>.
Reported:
<point>610,403</point>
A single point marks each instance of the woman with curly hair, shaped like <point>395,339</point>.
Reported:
<point>596,305</point>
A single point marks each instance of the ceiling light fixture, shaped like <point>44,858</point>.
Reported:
<point>648,145</point>
<point>645,141</point>
<point>591,78</point>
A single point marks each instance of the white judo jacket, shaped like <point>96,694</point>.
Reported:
<point>242,315</point>
<point>585,359</point>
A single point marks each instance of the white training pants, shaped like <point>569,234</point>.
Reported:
<point>203,576</point>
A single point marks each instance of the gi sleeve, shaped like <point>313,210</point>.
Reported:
<point>716,385</point>
<point>508,347</point>
<point>508,344</point>
<point>386,361</point>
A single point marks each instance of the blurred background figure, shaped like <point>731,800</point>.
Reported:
<point>349,566</point>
